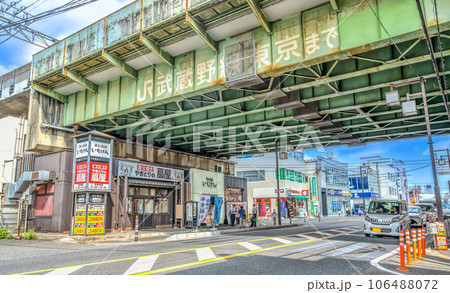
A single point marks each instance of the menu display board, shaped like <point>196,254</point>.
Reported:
<point>80,214</point>
<point>89,214</point>
<point>441,238</point>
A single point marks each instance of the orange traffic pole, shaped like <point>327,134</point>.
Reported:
<point>424,239</point>
<point>414,239</point>
<point>402,267</point>
<point>408,249</point>
<point>419,243</point>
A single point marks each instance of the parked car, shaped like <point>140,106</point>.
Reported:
<point>417,216</point>
<point>386,217</point>
<point>430,211</point>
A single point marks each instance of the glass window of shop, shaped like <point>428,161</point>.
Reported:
<point>263,206</point>
<point>253,176</point>
<point>335,205</point>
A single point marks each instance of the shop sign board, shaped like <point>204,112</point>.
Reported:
<point>441,238</point>
<point>89,214</point>
<point>92,162</point>
<point>291,175</point>
<point>314,186</point>
<point>207,182</point>
<point>335,192</point>
<point>146,171</point>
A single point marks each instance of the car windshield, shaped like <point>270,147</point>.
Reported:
<point>426,208</point>
<point>414,210</point>
<point>384,208</point>
<point>446,206</point>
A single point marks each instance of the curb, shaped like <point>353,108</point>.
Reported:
<point>183,236</point>
<point>248,229</point>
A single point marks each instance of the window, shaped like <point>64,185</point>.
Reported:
<point>44,200</point>
<point>336,176</point>
<point>252,176</point>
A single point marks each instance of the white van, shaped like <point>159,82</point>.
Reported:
<point>386,217</point>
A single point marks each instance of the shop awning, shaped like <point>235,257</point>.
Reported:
<point>299,196</point>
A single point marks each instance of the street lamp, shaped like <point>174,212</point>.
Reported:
<point>410,109</point>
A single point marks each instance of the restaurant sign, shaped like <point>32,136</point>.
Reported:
<point>146,171</point>
<point>92,163</point>
<point>89,214</point>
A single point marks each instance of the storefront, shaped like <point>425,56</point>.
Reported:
<point>151,192</point>
<point>299,199</point>
<point>207,189</point>
<point>235,194</point>
<point>265,200</point>
<point>337,201</point>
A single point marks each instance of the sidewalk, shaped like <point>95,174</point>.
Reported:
<point>187,233</point>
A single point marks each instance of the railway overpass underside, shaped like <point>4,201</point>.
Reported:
<point>223,78</point>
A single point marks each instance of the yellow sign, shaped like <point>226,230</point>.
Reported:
<point>96,219</point>
<point>80,219</point>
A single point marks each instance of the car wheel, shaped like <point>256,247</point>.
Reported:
<point>367,234</point>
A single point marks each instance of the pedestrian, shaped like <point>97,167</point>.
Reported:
<point>274,217</point>
<point>242,215</point>
<point>232,214</point>
<point>254,215</point>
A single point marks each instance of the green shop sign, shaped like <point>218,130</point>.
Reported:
<point>313,186</point>
<point>291,175</point>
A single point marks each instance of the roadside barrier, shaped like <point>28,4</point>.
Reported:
<point>402,267</point>
<point>408,249</point>
<point>419,243</point>
<point>424,242</point>
<point>414,239</point>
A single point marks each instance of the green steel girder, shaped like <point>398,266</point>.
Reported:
<point>200,30</point>
<point>260,15</point>
<point>49,92</point>
<point>157,50</point>
<point>120,64</point>
<point>81,80</point>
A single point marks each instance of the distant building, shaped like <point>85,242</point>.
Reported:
<point>307,185</point>
<point>382,177</point>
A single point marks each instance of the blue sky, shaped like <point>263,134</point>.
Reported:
<point>15,53</point>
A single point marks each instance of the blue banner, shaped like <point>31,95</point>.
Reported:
<point>217,209</point>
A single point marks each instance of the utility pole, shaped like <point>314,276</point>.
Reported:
<point>437,192</point>
<point>278,184</point>
<point>362,189</point>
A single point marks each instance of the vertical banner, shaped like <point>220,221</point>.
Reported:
<point>441,238</point>
<point>205,201</point>
<point>218,209</point>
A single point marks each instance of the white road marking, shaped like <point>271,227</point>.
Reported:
<point>346,249</point>
<point>285,241</point>
<point>65,271</point>
<point>375,262</point>
<point>318,246</point>
<point>250,246</point>
<point>307,236</point>
<point>325,234</point>
<point>359,235</point>
<point>142,264</point>
<point>373,254</point>
<point>205,253</point>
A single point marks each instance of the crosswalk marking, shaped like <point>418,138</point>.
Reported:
<point>250,246</point>
<point>205,253</point>
<point>373,254</point>
<point>346,249</point>
<point>285,241</point>
<point>142,264</point>
<point>318,246</point>
<point>306,236</point>
<point>65,271</point>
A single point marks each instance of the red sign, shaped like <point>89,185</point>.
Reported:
<point>80,173</point>
<point>99,173</point>
<point>305,192</point>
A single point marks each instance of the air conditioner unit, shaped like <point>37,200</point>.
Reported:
<point>219,169</point>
